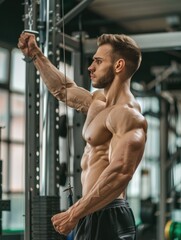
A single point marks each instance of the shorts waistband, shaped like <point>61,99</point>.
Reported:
<point>119,202</point>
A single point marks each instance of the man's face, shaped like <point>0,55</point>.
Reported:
<point>102,67</point>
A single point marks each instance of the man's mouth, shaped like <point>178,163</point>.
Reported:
<point>92,76</point>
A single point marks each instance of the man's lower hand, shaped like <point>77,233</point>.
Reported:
<point>63,223</point>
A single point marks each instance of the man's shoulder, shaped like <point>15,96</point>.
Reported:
<point>125,117</point>
<point>125,110</point>
<point>99,95</point>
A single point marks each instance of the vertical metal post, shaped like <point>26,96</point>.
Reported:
<point>78,122</point>
<point>163,159</point>
<point>50,121</point>
<point>32,145</point>
<point>32,134</point>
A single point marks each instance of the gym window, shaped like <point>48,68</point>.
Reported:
<point>12,119</point>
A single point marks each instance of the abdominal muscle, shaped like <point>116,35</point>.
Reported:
<point>93,163</point>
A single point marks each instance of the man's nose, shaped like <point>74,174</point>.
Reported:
<point>91,68</point>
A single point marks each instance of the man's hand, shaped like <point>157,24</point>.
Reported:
<point>62,223</point>
<point>27,44</point>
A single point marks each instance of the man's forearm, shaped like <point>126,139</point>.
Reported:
<point>60,86</point>
<point>52,77</point>
<point>108,187</point>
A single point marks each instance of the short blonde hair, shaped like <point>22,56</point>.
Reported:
<point>125,47</point>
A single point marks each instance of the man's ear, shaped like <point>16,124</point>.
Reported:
<point>119,65</point>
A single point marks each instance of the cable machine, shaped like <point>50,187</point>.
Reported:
<point>41,191</point>
<point>42,167</point>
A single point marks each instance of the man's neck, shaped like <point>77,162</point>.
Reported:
<point>117,91</point>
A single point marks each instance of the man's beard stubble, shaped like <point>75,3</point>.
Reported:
<point>105,80</point>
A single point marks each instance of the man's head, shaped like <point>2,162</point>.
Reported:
<point>123,47</point>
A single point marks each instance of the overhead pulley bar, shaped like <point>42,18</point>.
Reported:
<point>74,12</point>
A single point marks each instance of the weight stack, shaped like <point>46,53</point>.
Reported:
<point>43,208</point>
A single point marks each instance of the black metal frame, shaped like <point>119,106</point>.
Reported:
<point>42,190</point>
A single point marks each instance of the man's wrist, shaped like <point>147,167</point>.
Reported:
<point>33,56</point>
<point>29,59</point>
<point>74,213</point>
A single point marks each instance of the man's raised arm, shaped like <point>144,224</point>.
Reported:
<point>61,87</point>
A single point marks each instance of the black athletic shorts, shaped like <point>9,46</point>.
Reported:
<point>113,222</point>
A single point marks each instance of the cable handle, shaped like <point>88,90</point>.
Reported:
<point>70,195</point>
<point>26,58</point>
<point>31,31</point>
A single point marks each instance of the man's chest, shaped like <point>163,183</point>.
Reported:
<point>95,131</point>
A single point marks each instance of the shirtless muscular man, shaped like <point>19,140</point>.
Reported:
<point>114,131</point>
